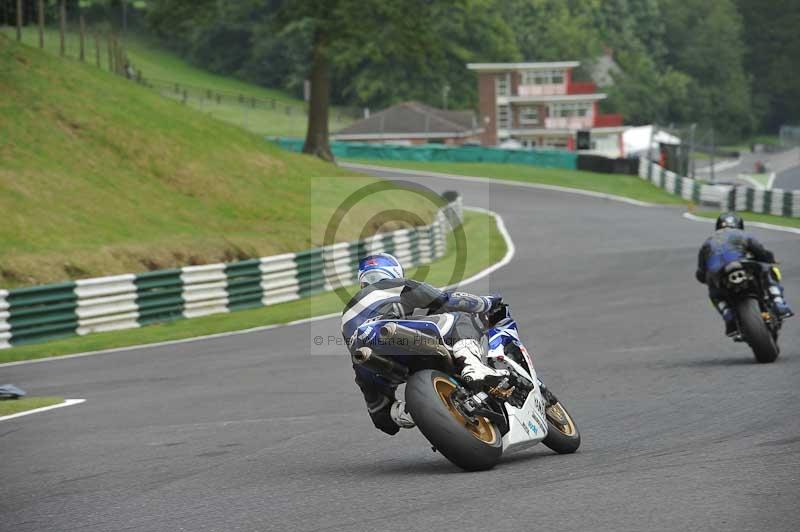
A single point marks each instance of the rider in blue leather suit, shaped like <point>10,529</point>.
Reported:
<point>730,243</point>
<point>386,294</point>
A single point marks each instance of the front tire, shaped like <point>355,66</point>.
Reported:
<point>756,332</point>
<point>563,436</point>
<point>470,446</point>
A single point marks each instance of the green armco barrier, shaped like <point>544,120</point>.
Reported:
<point>244,284</point>
<point>42,313</point>
<point>733,198</point>
<point>87,306</point>
<point>442,153</point>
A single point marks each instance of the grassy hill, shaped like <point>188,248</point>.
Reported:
<point>99,175</point>
<point>166,69</point>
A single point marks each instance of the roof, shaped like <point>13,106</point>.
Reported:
<point>501,67</point>
<point>413,118</point>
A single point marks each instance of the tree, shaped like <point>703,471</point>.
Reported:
<point>704,40</point>
<point>772,42</point>
<point>344,31</point>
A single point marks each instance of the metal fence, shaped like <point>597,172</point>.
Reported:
<point>40,313</point>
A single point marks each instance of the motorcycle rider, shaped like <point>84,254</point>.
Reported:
<point>730,243</point>
<point>386,294</point>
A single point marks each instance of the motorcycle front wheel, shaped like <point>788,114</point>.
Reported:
<point>563,436</point>
<point>755,331</point>
<point>471,445</point>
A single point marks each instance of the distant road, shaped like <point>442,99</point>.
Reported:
<point>788,179</point>
<point>785,164</point>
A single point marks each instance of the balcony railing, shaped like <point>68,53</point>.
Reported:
<point>614,120</point>
<point>582,87</point>
<point>541,90</point>
<point>568,122</point>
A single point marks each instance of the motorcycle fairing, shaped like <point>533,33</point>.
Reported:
<point>527,425</point>
<point>367,335</point>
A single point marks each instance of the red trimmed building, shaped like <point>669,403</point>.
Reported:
<point>539,105</point>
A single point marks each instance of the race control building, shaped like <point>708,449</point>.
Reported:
<point>540,106</point>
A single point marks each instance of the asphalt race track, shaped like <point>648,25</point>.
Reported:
<point>681,429</point>
<point>788,179</point>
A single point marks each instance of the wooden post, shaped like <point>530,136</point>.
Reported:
<point>63,26</point>
<point>110,54</point>
<point>83,37</point>
<point>41,23</point>
<point>97,50</point>
<point>19,20</point>
<point>115,54</point>
<point>120,59</point>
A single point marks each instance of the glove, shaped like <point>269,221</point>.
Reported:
<point>495,302</point>
<point>497,312</point>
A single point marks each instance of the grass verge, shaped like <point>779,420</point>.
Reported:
<point>15,406</point>
<point>100,176</point>
<point>165,69</point>
<point>484,246</point>
<point>621,185</point>
<point>755,217</point>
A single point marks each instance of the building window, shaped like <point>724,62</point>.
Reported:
<point>568,109</point>
<point>502,85</point>
<point>528,115</point>
<point>542,77</point>
<point>503,117</point>
<point>556,143</point>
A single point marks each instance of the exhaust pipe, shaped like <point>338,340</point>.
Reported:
<point>412,340</point>
<point>390,369</point>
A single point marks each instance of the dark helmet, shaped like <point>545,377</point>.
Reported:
<point>730,220</point>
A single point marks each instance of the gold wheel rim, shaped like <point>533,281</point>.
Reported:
<point>558,417</point>
<point>482,430</point>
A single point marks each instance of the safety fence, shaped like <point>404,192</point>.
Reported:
<point>46,312</point>
<point>442,153</point>
<point>725,197</point>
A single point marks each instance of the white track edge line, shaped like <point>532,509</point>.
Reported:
<point>761,225</point>
<point>720,166</point>
<point>511,249</point>
<point>501,226</point>
<point>67,402</point>
<point>771,180</point>
<point>421,173</point>
<point>753,182</point>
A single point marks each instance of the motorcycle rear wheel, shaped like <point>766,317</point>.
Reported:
<point>755,331</point>
<point>471,446</point>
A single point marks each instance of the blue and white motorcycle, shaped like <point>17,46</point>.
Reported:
<point>471,427</point>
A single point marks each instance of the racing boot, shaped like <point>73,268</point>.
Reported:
<point>784,311</point>
<point>781,306</point>
<point>475,372</point>
<point>400,416</point>
<point>731,327</point>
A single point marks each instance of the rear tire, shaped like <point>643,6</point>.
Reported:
<point>470,447</point>
<point>755,331</point>
<point>563,435</point>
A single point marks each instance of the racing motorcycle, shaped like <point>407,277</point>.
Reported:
<point>746,288</point>
<point>471,427</point>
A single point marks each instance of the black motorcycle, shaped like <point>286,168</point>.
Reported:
<point>745,285</point>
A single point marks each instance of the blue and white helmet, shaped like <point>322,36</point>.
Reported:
<point>374,268</point>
